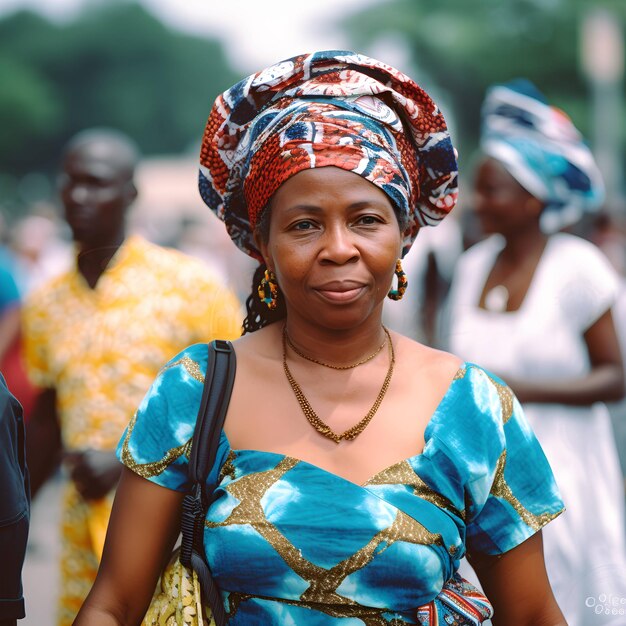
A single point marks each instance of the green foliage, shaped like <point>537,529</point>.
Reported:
<point>114,65</point>
<point>463,46</point>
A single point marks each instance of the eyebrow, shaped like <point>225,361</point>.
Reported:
<point>313,208</point>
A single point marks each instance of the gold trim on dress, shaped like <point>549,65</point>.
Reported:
<point>191,367</point>
<point>501,489</point>
<point>403,474</point>
<point>154,468</point>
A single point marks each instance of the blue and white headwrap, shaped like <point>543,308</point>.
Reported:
<point>542,149</point>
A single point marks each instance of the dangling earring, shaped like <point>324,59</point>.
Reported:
<point>268,289</point>
<point>396,294</point>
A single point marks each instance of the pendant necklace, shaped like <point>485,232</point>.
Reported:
<point>497,299</point>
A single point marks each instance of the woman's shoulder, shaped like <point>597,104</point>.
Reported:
<point>566,242</point>
<point>447,372</point>
<point>577,260</point>
<point>419,361</point>
<point>260,345</point>
<point>573,251</point>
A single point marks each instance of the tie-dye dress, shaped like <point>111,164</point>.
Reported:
<point>290,543</point>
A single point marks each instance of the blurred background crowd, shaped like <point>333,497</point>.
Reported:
<point>152,70</point>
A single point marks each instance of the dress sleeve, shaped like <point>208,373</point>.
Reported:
<point>157,442</point>
<point>14,505</point>
<point>511,493</point>
<point>589,285</point>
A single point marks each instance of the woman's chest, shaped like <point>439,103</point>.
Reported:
<point>281,527</point>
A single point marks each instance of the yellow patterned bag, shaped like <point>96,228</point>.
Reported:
<point>178,600</point>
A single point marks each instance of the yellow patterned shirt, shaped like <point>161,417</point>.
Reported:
<point>101,348</point>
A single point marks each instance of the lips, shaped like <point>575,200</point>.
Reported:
<point>80,214</point>
<point>341,291</point>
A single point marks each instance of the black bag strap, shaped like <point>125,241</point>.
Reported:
<point>218,384</point>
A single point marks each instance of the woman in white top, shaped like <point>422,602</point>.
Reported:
<point>536,308</point>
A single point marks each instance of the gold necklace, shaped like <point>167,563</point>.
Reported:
<point>334,367</point>
<point>312,416</point>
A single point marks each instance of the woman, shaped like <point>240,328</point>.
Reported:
<point>324,167</point>
<point>535,307</point>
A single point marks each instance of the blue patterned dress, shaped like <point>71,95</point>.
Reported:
<point>292,544</point>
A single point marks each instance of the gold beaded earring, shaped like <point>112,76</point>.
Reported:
<point>396,294</point>
<point>268,289</point>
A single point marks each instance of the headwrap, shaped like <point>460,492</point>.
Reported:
<point>331,108</point>
<point>542,149</point>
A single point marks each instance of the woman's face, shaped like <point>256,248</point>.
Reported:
<point>501,204</point>
<point>333,243</point>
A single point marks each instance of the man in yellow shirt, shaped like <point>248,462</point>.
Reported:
<point>96,337</point>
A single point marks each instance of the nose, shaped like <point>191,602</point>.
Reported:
<point>78,193</point>
<point>338,245</point>
<point>479,201</point>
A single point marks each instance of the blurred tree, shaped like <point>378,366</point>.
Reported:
<point>463,48</point>
<point>115,64</point>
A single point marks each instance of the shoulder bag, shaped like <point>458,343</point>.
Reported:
<point>188,595</point>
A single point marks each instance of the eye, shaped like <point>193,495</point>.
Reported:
<point>303,225</point>
<point>368,220</point>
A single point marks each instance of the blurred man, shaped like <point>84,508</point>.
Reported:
<point>95,338</point>
<point>14,507</point>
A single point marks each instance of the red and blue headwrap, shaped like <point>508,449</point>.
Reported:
<point>331,108</point>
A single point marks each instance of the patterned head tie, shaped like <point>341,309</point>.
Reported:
<point>542,149</point>
<point>331,108</point>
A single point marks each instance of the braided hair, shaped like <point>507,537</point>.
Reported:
<point>258,314</point>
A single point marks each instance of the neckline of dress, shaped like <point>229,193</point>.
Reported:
<point>427,438</point>
<point>497,246</point>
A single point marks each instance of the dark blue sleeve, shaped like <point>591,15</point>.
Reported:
<point>14,505</point>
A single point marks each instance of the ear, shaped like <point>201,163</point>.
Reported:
<point>533,206</point>
<point>263,247</point>
<point>131,193</point>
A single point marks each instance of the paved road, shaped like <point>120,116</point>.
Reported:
<point>40,574</point>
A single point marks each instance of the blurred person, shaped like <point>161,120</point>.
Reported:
<point>535,306</point>
<point>609,234</point>
<point>11,362</point>
<point>606,233</point>
<point>97,335</point>
<point>324,167</point>
<point>9,302</point>
<point>41,251</point>
<point>14,507</point>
